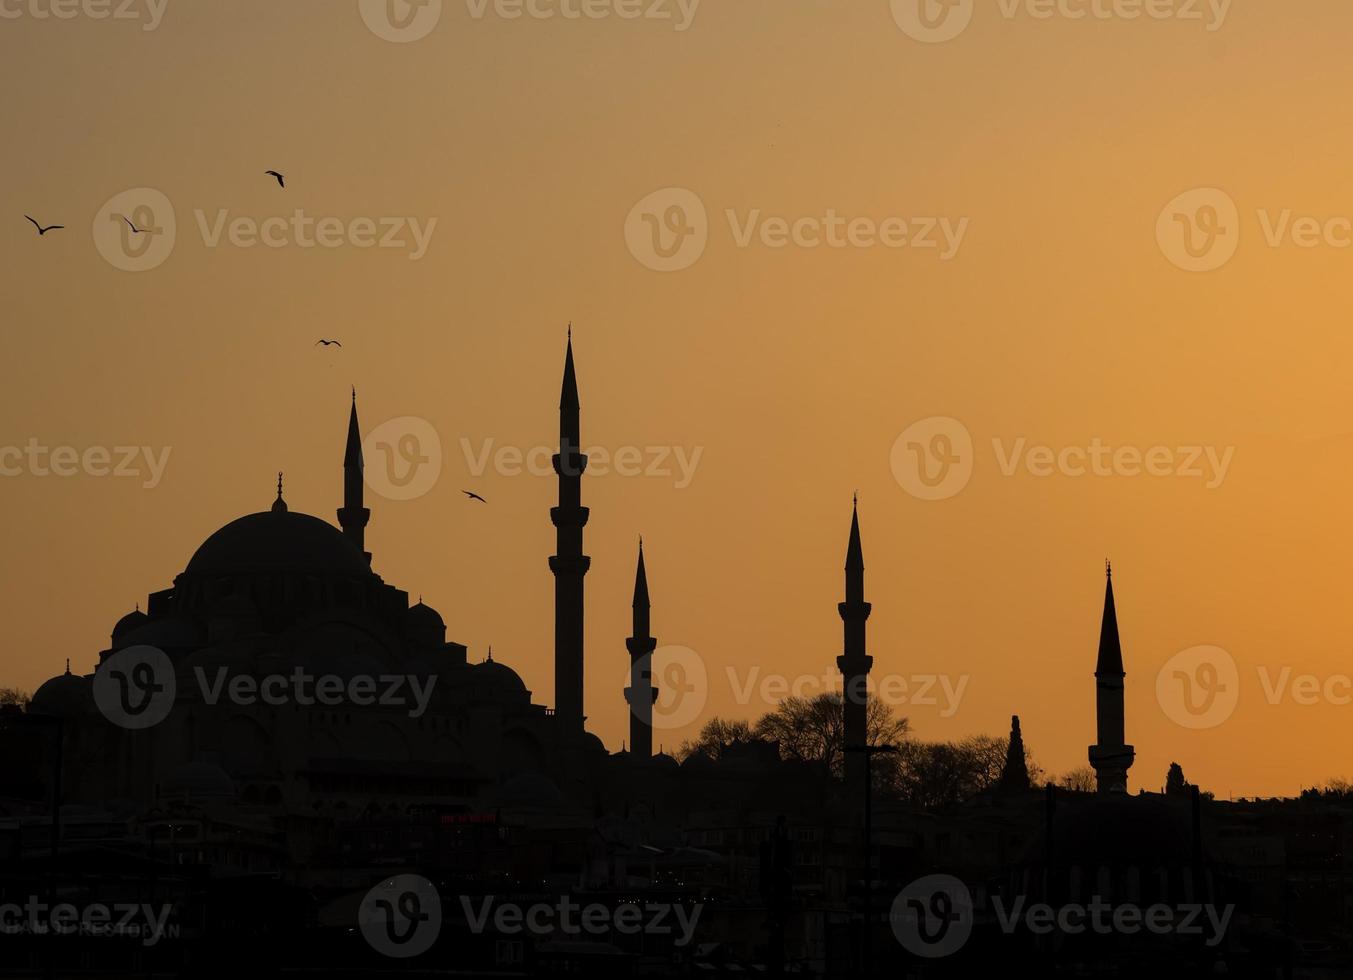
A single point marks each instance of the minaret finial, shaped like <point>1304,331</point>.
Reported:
<point>490,660</point>
<point>1108,568</point>
<point>279,505</point>
<point>68,666</point>
<point>354,394</point>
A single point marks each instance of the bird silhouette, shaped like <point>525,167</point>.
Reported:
<point>42,230</point>
<point>131,226</point>
<point>326,343</point>
<point>281,181</point>
<point>474,496</point>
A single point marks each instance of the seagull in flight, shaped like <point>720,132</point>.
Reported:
<point>133,227</point>
<point>474,496</point>
<point>41,230</point>
<point>281,181</point>
<point>327,343</point>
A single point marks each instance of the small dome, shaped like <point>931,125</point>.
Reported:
<point>664,761</point>
<point>64,696</point>
<point>278,541</point>
<point>133,620</point>
<point>498,679</point>
<point>424,617</point>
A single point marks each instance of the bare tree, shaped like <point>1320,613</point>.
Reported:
<point>13,696</point>
<point>1080,780</point>
<point>716,736</point>
<point>813,729</point>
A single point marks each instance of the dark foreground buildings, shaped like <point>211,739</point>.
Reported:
<point>283,765</point>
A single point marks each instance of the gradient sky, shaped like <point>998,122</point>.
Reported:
<point>1060,321</point>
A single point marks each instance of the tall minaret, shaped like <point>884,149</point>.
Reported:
<point>352,516</point>
<point>641,695</point>
<point>854,663</point>
<point>1111,757</point>
<point>569,564</point>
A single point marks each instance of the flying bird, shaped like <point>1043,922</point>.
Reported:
<point>474,496</point>
<point>42,230</point>
<point>281,181</point>
<point>132,226</point>
<point>326,343</point>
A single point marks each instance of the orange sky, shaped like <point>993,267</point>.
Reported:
<point>1059,319</point>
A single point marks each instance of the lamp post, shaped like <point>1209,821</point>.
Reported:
<point>869,752</point>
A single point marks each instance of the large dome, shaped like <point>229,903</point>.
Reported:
<point>278,541</point>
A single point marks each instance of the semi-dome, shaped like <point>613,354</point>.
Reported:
<point>63,696</point>
<point>278,541</point>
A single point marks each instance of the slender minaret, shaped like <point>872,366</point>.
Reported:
<point>854,663</point>
<point>1015,775</point>
<point>352,516</point>
<point>1111,757</point>
<point>568,563</point>
<point>641,695</point>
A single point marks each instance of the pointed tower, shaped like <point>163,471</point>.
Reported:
<point>854,663</point>
<point>352,516</point>
<point>641,695</point>
<point>568,563</point>
<point>1110,756</point>
<point>1015,775</point>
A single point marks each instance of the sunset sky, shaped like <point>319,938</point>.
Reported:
<point>1062,318</point>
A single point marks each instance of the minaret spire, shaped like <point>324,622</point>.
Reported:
<point>569,564</point>
<point>641,695</point>
<point>353,515</point>
<point>1110,756</point>
<point>854,662</point>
